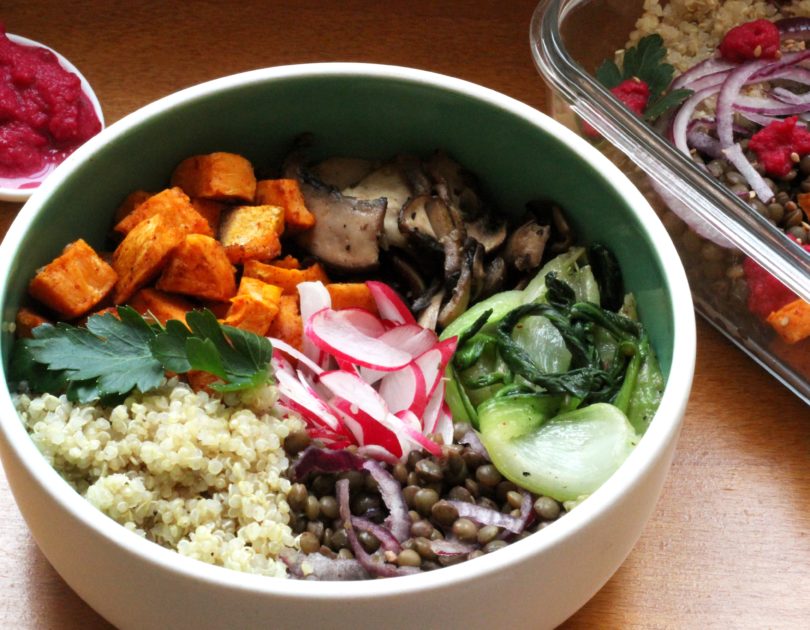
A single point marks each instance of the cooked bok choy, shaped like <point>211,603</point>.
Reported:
<point>559,379</point>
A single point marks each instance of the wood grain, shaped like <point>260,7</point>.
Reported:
<point>729,543</point>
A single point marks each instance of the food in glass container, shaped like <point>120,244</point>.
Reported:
<point>304,429</point>
<point>737,105</point>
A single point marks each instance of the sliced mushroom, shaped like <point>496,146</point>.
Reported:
<point>342,172</point>
<point>443,219</point>
<point>479,274</point>
<point>454,184</point>
<point>409,276</point>
<point>564,234</point>
<point>460,297</point>
<point>455,248</point>
<point>429,316</point>
<point>525,246</point>
<point>387,182</point>
<point>347,230</point>
<point>413,172</point>
<point>414,223</point>
<point>495,278</point>
<point>488,231</point>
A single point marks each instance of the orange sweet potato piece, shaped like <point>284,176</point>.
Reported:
<point>199,267</point>
<point>201,381</point>
<point>74,282</point>
<point>287,324</point>
<point>351,295</point>
<point>220,176</point>
<point>792,321</point>
<point>287,279</point>
<point>252,232</point>
<point>27,319</point>
<point>254,306</point>
<point>210,210</point>
<point>131,201</point>
<point>143,253</point>
<point>287,194</point>
<point>288,262</point>
<point>163,306</point>
<point>173,202</point>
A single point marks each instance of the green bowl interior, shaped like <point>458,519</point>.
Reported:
<point>352,115</point>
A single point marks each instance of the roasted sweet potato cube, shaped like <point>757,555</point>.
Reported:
<point>143,253</point>
<point>131,201</point>
<point>201,381</point>
<point>287,325</point>
<point>163,306</point>
<point>219,176</point>
<point>199,267</point>
<point>74,282</point>
<point>351,295</point>
<point>288,262</point>
<point>211,211</point>
<point>252,232</point>
<point>175,204</point>
<point>792,321</point>
<point>27,319</point>
<point>287,279</point>
<point>254,306</point>
<point>287,194</point>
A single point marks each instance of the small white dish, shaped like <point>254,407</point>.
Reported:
<point>21,188</point>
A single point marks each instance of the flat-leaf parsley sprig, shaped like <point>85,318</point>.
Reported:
<point>113,356</point>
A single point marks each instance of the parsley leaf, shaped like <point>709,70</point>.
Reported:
<point>645,61</point>
<point>113,356</point>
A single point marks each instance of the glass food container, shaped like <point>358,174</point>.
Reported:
<point>570,39</point>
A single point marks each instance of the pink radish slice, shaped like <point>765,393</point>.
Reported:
<point>366,429</point>
<point>444,424</point>
<point>313,297</point>
<point>409,423</point>
<point>374,451</point>
<point>344,334</point>
<point>404,389</point>
<point>295,353</point>
<point>352,388</point>
<point>410,338</point>
<point>297,392</point>
<point>389,304</point>
<point>433,362</point>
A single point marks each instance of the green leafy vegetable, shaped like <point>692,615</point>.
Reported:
<point>113,356</point>
<point>645,61</point>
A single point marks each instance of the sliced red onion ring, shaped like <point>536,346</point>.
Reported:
<point>318,460</point>
<point>735,155</point>
<point>377,568</point>
<point>768,106</point>
<point>711,66</point>
<point>398,520</point>
<point>729,92</point>
<point>786,96</point>
<point>797,28</point>
<point>386,538</point>
<point>488,516</point>
<point>444,547</point>
<point>471,439</point>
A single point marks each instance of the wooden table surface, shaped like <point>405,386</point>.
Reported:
<point>729,543</point>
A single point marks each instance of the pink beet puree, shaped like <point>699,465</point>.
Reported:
<point>44,114</point>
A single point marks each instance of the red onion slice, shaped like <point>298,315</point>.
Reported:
<point>729,92</point>
<point>707,67</point>
<point>488,516</point>
<point>398,520</point>
<point>445,547</point>
<point>386,538</point>
<point>735,155</point>
<point>323,568</point>
<point>318,460</point>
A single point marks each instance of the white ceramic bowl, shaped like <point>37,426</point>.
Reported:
<point>20,189</point>
<point>354,109</point>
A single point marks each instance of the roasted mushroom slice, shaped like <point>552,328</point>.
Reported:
<point>564,234</point>
<point>409,276</point>
<point>342,172</point>
<point>461,294</point>
<point>455,185</point>
<point>495,278</point>
<point>429,316</point>
<point>444,219</point>
<point>414,223</point>
<point>525,246</point>
<point>455,247</point>
<point>488,231</point>
<point>347,230</point>
<point>387,182</point>
<point>479,274</point>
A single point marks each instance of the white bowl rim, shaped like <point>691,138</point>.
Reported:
<point>663,429</point>
<point>23,194</point>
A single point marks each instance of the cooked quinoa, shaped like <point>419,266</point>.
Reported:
<point>691,29</point>
<point>191,472</point>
